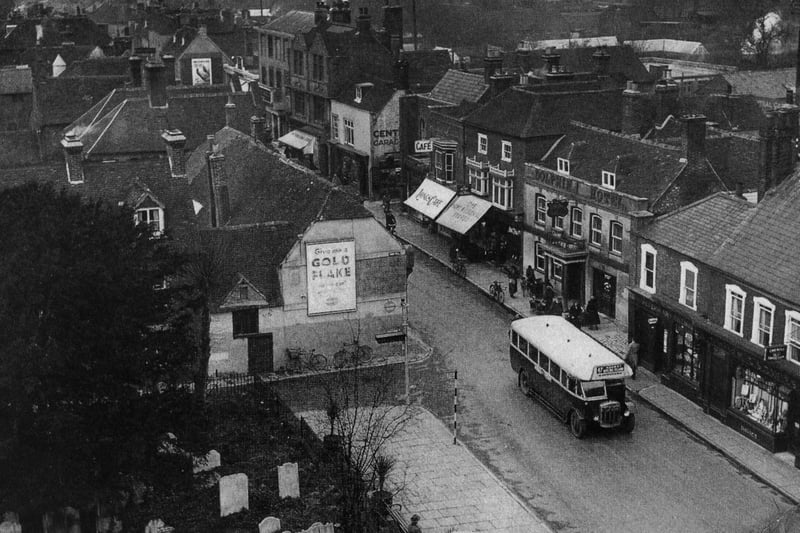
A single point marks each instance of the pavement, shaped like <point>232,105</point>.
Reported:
<point>775,470</point>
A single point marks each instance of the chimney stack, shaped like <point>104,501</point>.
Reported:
<point>320,13</point>
<point>73,156</point>
<point>176,142</point>
<point>340,12</point>
<point>156,85</point>
<point>401,75</point>
<point>500,82</point>
<point>491,65</point>
<point>136,70</point>
<point>230,111</point>
<point>169,69</point>
<point>219,184</point>
<point>634,105</point>
<point>393,21</point>
<point>258,128</point>
<point>601,60</point>
<point>790,96</point>
<point>551,60</point>
<point>523,59</point>
<point>695,139</point>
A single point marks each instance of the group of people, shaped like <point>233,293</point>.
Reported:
<point>580,316</point>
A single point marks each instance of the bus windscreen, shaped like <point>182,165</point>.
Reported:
<point>594,389</point>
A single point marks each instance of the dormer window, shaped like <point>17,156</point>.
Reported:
<point>609,180</point>
<point>361,90</point>
<point>563,165</point>
<point>153,217</point>
<point>243,292</point>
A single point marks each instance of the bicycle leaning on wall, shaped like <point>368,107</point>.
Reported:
<point>496,291</point>
<point>352,353</point>
<point>300,359</point>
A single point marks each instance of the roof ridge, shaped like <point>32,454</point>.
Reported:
<point>273,224</point>
<point>624,136</point>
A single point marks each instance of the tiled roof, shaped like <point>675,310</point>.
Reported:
<point>523,114</point>
<point>79,30</point>
<point>623,64</point>
<point>110,13</point>
<point>16,81</point>
<point>643,169</point>
<point>457,86</point>
<point>292,22</point>
<point>59,101</point>
<point>124,123</point>
<point>426,68</point>
<point>374,98</point>
<point>753,243</point>
<point>102,66</point>
<point>766,84</point>
<point>18,148</point>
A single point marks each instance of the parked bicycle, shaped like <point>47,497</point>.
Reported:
<point>352,353</point>
<point>496,291</point>
<point>460,266</point>
<point>299,359</point>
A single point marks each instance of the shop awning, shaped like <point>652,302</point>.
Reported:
<point>430,198</point>
<point>300,140</point>
<point>463,213</point>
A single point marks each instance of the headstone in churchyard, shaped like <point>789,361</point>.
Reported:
<point>233,494</point>
<point>288,481</point>
<point>211,461</point>
<point>269,525</point>
<point>10,527</point>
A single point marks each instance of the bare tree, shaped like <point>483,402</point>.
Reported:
<point>765,33</point>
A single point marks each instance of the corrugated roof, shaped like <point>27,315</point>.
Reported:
<point>458,86</point>
<point>672,46</point>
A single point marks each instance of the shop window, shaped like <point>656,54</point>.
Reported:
<point>541,210</point>
<point>563,165</point>
<point>558,270</point>
<point>576,223</point>
<point>647,274</point>
<point>792,336</point>
<point>540,259</point>
<point>595,230</point>
<point>760,399</point>
<point>505,154</point>
<point>734,309</point>
<point>615,238</point>
<point>335,127</point>
<point>483,143</point>
<point>502,193</point>
<point>245,322</point>
<point>763,317</point>
<point>688,296</point>
<point>609,180</point>
<point>349,132</point>
<point>686,361</point>
<point>479,181</point>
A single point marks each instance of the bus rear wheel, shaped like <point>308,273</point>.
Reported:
<point>577,425</point>
<point>525,382</point>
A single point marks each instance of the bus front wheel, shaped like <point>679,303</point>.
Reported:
<point>629,423</point>
<point>524,382</point>
<point>577,425</point>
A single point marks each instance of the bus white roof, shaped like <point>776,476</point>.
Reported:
<point>574,351</point>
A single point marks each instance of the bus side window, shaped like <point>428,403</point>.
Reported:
<point>564,379</point>
<point>514,338</point>
<point>533,353</point>
<point>555,371</point>
<point>544,362</point>
<point>572,385</point>
<point>523,345</point>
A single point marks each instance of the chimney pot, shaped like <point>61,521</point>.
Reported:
<point>258,128</point>
<point>176,142</point>
<point>230,110</point>
<point>73,157</point>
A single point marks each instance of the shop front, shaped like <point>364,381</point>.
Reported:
<point>429,200</point>
<point>463,221</point>
<point>350,168</point>
<point>732,379</point>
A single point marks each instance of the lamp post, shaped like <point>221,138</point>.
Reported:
<point>404,305</point>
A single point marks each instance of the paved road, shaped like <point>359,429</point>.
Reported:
<point>656,479</point>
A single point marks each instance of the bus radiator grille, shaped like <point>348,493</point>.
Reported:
<point>610,414</point>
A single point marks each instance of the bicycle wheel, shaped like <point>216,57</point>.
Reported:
<point>317,361</point>
<point>341,358</point>
<point>364,353</point>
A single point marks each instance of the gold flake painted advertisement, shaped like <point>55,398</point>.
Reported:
<point>331,274</point>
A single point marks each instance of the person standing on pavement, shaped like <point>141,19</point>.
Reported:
<point>632,356</point>
<point>513,276</point>
<point>414,526</point>
<point>592,315</point>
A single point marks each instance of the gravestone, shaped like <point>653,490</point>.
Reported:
<point>288,481</point>
<point>211,461</point>
<point>269,525</point>
<point>233,494</point>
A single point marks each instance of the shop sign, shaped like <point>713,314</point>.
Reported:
<point>652,321</point>
<point>776,352</point>
<point>331,276</point>
<point>577,187</point>
<point>382,137</point>
<point>423,146</point>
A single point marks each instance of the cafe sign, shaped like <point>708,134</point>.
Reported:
<point>776,352</point>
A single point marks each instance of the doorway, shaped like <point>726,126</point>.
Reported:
<point>604,290</point>
<point>259,354</point>
<point>573,284</point>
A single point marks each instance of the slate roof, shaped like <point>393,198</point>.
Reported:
<point>524,114</point>
<point>374,98</point>
<point>16,81</point>
<point>293,22</point>
<point>426,68</point>
<point>56,30</point>
<point>59,101</point>
<point>623,64</point>
<point>124,122</point>
<point>101,66</point>
<point>752,242</point>
<point>643,169</point>
<point>457,86</point>
<point>763,84</point>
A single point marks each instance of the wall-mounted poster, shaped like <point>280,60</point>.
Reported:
<point>331,274</point>
<point>201,71</point>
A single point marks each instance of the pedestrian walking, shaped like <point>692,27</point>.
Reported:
<point>414,526</point>
<point>513,276</point>
<point>632,356</point>
<point>591,317</point>
<point>391,222</point>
